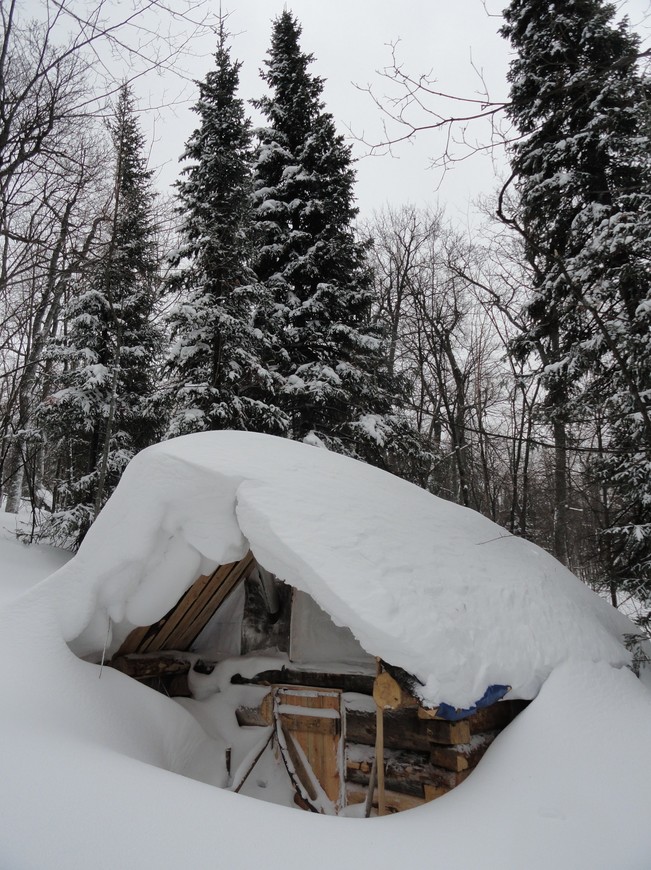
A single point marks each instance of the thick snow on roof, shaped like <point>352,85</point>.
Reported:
<point>429,586</point>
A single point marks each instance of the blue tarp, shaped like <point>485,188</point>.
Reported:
<point>453,714</point>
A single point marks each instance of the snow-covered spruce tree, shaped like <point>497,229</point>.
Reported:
<point>336,390</point>
<point>583,174</point>
<point>99,413</point>
<point>215,375</point>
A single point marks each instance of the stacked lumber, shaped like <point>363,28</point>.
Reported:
<point>423,758</point>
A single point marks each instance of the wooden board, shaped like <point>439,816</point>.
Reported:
<point>183,624</point>
<point>310,724</point>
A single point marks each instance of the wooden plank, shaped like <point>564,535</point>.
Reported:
<point>298,766</point>
<point>181,625</point>
<point>144,638</point>
<point>311,724</point>
<point>131,643</point>
<point>203,609</point>
<point>323,751</point>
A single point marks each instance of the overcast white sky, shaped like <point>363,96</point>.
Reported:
<point>351,40</point>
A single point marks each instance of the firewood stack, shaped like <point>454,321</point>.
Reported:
<point>424,757</point>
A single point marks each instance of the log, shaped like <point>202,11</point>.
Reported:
<point>461,756</point>
<point>440,731</point>
<point>147,666</point>
<point>360,683</point>
<point>406,772</point>
<point>402,729</point>
<point>496,717</point>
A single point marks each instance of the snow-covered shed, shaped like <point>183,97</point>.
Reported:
<point>364,611</point>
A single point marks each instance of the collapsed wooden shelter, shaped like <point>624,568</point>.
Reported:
<point>350,730</point>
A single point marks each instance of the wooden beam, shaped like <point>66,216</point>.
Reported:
<point>402,729</point>
<point>359,683</point>
<point>440,731</point>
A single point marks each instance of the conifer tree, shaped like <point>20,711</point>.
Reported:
<point>216,378</point>
<point>335,388</point>
<point>99,413</point>
<point>583,174</point>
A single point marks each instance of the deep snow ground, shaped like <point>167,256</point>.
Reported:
<point>103,773</point>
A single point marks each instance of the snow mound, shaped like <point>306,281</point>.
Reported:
<point>429,586</point>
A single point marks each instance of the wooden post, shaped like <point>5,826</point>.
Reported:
<point>368,806</point>
<point>379,751</point>
<point>379,755</point>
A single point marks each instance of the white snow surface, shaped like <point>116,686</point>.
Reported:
<point>105,773</point>
<point>429,586</point>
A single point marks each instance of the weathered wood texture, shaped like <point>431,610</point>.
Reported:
<point>402,729</point>
<point>360,683</point>
<point>312,718</point>
<point>145,666</point>
<point>181,626</point>
<point>406,772</point>
<point>462,756</point>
